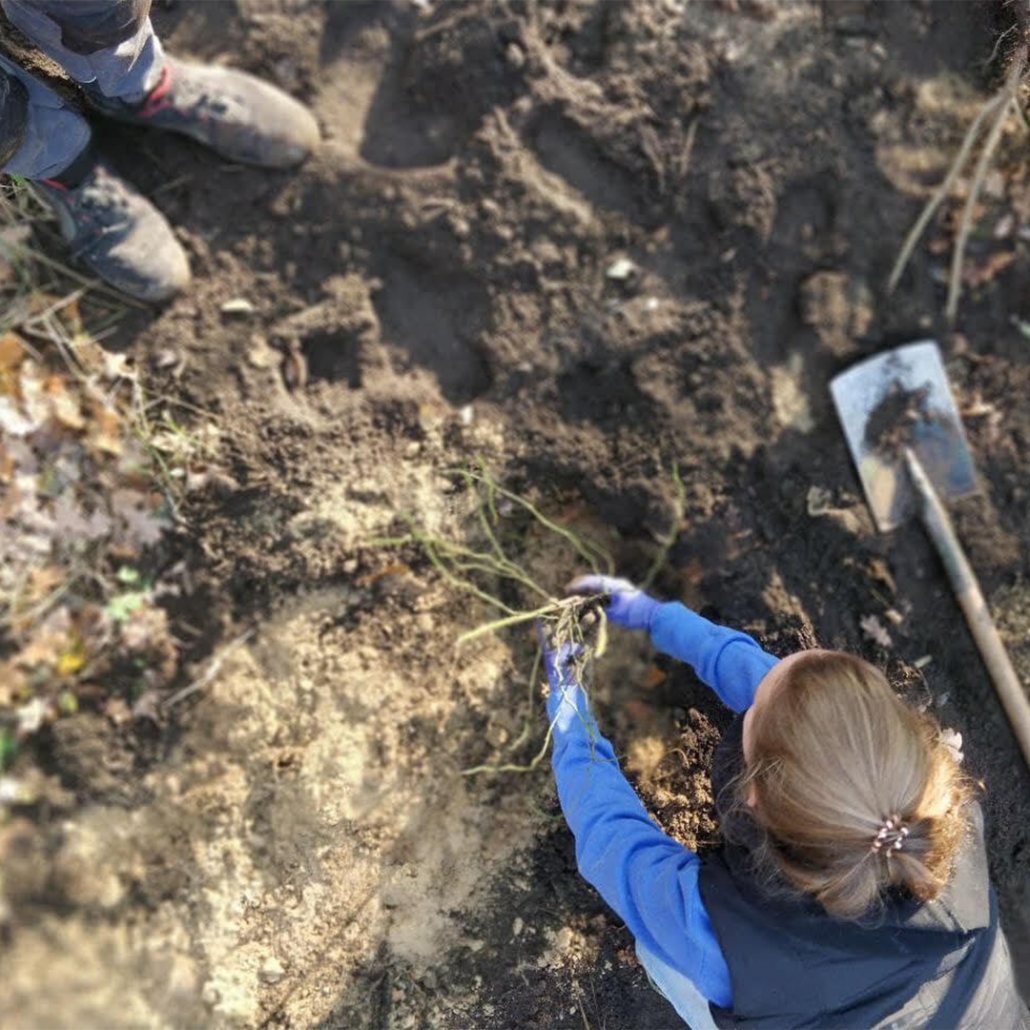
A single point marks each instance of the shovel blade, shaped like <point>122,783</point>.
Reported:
<point>896,400</point>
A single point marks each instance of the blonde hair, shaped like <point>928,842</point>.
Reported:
<point>834,754</point>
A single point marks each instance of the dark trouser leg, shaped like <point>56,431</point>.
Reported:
<point>109,44</point>
<point>39,134</point>
<point>14,116</point>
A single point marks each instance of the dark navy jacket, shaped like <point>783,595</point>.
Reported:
<point>941,964</point>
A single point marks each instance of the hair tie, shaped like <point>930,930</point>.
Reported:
<point>892,835</point>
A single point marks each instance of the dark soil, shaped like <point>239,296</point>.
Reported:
<point>301,850</point>
<point>890,424</point>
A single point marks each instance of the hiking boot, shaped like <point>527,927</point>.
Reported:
<point>117,232</point>
<point>237,115</point>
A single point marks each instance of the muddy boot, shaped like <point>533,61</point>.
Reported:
<point>237,115</point>
<point>115,231</point>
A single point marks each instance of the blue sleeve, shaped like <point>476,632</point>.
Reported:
<point>731,663</point>
<point>646,877</point>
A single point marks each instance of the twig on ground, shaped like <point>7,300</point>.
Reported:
<point>1006,97</point>
<point>582,1010</point>
<point>941,192</point>
<point>210,672</point>
<point>996,107</point>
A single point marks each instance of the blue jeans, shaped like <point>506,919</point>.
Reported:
<point>678,990</point>
<point>53,134</point>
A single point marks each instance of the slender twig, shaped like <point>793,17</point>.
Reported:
<point>582,1010</point>
<point>941,192</point>
<point>211,671</point>
<point>1005,97</point>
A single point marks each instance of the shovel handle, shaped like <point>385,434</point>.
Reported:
<point>970,597</point>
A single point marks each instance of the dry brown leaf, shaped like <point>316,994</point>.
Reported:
<point>34,401</point>
<point>397,569</point>
<point>65,406</point>
<point>995,264</point>
<point>12,351</point>
<point>105,430</point>
<point>118,711</point>
<point>42,582</point>
<point>875,630</point>
<point>74,525</point>
<point>101,363</point>
<point>71,316</point>
<point>879,569</point>
<point>142,526</point>
<point>12,684</point>
<point>44,648</point>
<point>654,677</point>
<point>13,420</point>
<point>72,660</point>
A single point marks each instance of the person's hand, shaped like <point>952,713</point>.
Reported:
<point>625,605</point>
<point>558,662</point>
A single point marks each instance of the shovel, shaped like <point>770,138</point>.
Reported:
<point>907,441</point>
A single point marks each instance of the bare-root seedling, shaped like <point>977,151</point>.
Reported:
<point>575,626</point>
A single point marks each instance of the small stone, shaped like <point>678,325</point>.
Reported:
<point>515,56</point>
<point>621,269</point>
<point>466,414</point>
<point>261,355</point>
<point>210,994</point>
<point>272,971</point>
<point>516,927</point>
<point>412,449</point>
<point>167,357</point>
<point>238,306</point>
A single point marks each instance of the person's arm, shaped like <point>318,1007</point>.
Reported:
<point>649,879</point>
<point>730,662</point>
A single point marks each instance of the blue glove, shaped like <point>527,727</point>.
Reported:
<point>626,605</point>
<point>566,703</point>
<point>558,664</point>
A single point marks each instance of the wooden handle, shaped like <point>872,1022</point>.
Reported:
<point>967,591</point>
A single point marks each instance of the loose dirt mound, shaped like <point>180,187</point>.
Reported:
<point>582,241</point>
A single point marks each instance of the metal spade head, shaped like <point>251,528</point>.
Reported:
<point>896,400</point>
